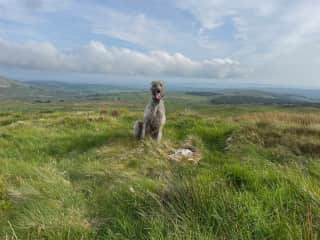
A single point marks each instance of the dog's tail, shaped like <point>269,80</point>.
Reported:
<point>139,131</point>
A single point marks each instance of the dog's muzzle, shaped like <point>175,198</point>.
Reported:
<point>157,94</point>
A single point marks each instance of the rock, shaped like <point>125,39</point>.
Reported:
<point>185,154</point>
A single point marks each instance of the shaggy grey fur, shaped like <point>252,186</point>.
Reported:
<point>154,114</point>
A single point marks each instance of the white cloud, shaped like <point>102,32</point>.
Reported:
<point>98,58</point>
<point>44,5</point>
<point>278,38</point>
<point>26,11</point>
<point>294,53</point>
<point>270,27</point>
<point>135,28</point>
<point>211,13</point>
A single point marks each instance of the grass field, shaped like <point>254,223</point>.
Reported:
<point>73,170</point>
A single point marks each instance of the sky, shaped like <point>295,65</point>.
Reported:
<point>272,42</point>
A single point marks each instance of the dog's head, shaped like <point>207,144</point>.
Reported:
<point>157,90</point>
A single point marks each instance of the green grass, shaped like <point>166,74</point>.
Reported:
<point>74,171</point>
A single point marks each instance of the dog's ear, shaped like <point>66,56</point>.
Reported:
<point>152,84</point>
<point>161,82</point>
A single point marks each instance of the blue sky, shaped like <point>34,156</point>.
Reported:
<point>203,41</point>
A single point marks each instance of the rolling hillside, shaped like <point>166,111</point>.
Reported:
<point>48,92</point>
<point>13,89</point>
<point>74,171</point>
<point>6,83</point>
<point>256,97</point>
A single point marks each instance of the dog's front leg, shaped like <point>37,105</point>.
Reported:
<point>159,135</point>
<point>139,130</point>
<point>143,130</point>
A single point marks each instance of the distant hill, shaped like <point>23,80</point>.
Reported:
<point>247,96</point>
<point>76,89</point>
<point>13,89</point>
<point>10,83</point>
<point>46,91</point>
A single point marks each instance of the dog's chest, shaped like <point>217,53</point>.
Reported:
<point>155,114</point>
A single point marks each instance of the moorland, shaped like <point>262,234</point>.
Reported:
<point>71,169</point>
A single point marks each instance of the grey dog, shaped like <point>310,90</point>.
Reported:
<point>154,114</point>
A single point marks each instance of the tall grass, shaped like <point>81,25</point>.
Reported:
<point>81,175</point>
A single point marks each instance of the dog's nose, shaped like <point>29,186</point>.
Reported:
<point>158,91</point>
